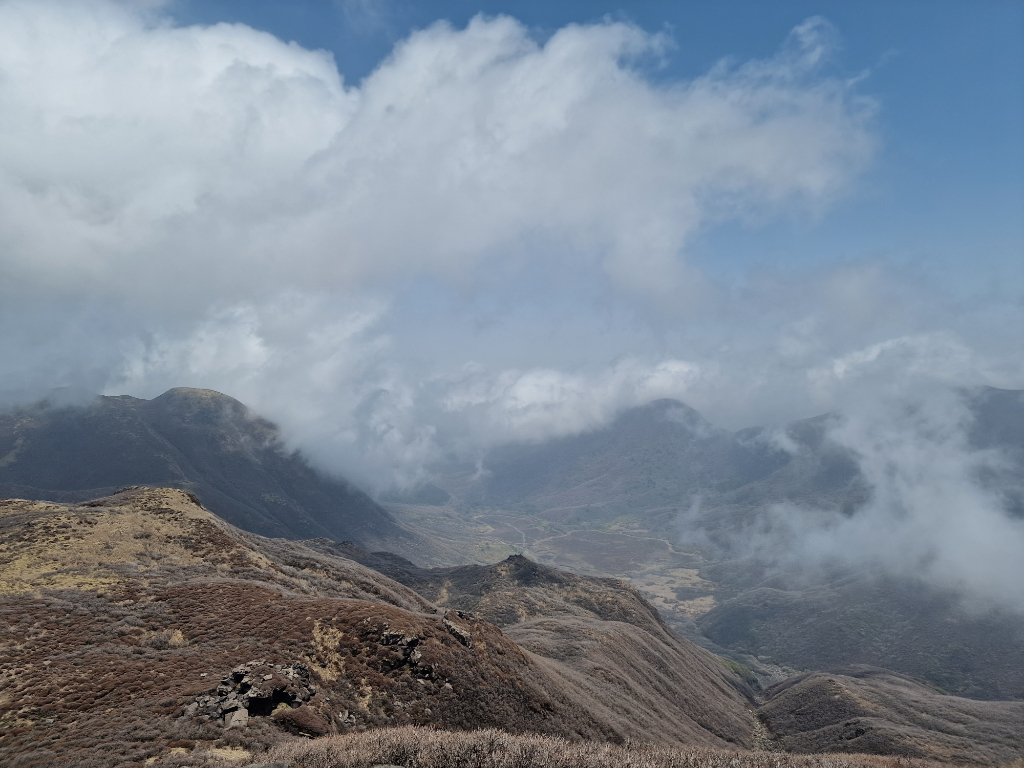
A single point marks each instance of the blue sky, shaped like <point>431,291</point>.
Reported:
<point>432,239</point>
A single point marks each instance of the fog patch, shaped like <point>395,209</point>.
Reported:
<point>931,515</point>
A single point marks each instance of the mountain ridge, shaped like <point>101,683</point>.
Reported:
<point>201,441</point>
<point>145,600</point>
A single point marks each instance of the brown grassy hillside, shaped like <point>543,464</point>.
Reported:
<point>122,620</point>
<point>599,636</point>
<point>140,630</point>
<point>594,629</point>
<point>865,709</point>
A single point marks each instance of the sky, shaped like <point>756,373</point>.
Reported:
<point>410,231</point>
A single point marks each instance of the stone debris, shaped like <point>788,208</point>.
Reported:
<point>303,721</point>
<point>255,689</point>
<point>409,647</point>
<point>346,718</point>
<point>239,718</point>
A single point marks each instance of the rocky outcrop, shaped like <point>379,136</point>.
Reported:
<point>259,689</point>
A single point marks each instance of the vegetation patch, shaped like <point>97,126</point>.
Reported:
<point>426,748</point>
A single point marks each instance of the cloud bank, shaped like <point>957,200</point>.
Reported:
<point>937,509</point>
<point>214,206</point>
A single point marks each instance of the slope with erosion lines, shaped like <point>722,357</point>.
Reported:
<point>602,630</point>
<point>865,709</point>
<point>119,618</point>
<point>599,636</point>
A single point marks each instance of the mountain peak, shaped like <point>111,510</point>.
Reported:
<point>193,393</point>
<point>196,439</point>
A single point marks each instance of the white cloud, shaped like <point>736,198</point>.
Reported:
<point>329,376</point>
<point>153,160</point>
<point>211,206</point>
<point>932,514</point>
<point>543,403</point>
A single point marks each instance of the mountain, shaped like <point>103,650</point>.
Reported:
<point>141,624</point>
<point>857,709</point>
<point>142,630</point>
<point>654,459</point>
<point>598,635</point>
<point>664,499</point>
<point>194,439</point>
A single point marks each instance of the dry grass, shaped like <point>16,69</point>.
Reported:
<point>100,672</point>
<point>412,747</point>
<point>82,548</point>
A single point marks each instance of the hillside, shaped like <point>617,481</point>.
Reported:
<point>859,709</point>
<point>140,624</point>
<point>140,629</point>
<point>194,439</point>
<point>664,499</point>
<point>865,709</point>
<point>598,635</point>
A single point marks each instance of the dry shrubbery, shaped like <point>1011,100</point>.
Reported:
<point>413,747</point>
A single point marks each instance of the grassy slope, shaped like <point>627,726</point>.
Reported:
<point>115,615</point>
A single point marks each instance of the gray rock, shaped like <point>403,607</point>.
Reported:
<point>237,719</point>
<point>256,688</point>
<point>461,634</point>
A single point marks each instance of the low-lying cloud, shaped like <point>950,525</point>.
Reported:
<point>936,509</point>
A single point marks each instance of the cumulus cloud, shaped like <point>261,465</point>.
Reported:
<point>209,205</point>
<point>161,161</point>
<point>331,377</point>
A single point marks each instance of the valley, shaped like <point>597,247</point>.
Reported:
<point>664,500</point>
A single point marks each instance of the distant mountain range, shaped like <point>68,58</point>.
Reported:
<point>662,497</point>
<point>656,458</point>
<point>71,449</point>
